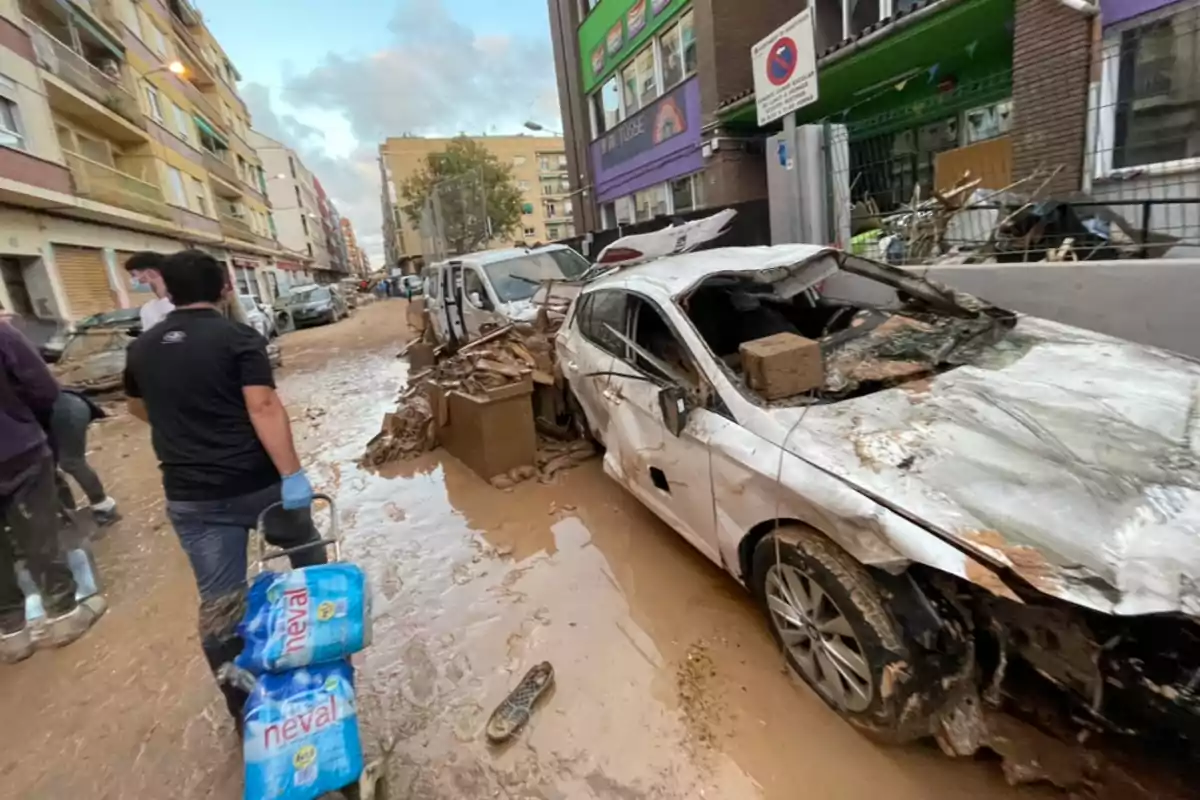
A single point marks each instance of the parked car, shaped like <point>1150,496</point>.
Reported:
<point>258,316</point>
<point>964,491</point>
<point>313,305</point>
<point>412,283</point>
<point>467,295</point>
<point>54,342</point>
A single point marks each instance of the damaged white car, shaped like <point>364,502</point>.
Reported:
<point>963,492</point>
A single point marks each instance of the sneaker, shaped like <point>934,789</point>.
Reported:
<point>105,513</point>
<point>70,626</point>
<point>16,647</point>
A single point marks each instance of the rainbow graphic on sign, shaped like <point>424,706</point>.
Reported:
<point>656,6</point>
<point>598,59</point>
<point>637,18</point>
<point>616,38</point>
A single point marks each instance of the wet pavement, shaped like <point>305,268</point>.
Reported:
<point>667,682</point>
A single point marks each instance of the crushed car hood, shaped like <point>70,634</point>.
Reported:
<point>1069,458</point>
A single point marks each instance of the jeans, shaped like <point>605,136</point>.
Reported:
<point>29,508</point>
<point>69,424</point>
<point>215,536</point>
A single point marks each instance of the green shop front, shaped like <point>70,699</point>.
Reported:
<point>922,97</point>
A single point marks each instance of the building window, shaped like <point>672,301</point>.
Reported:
<point>292,167</point>
<point>523,185</point>
<point>1152,113</point>
<point>11,134</point>
<point>624,209</point>
<point>153,102</point>
<point>639,80</point>
<point>606,106</point>
<point>518,161</point>
<point>530,233</point>
<point>549,210</point>
<point>175,180</point>
<point>183,123</point>
<point>128,14</point>
<point>608,216</point>
<point>200,196</point>
<point>304,224</point>
<point>683,197</point>
<point>650,203</point>
<point>547,188</point>
<point>678,47</point>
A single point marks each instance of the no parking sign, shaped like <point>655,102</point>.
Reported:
<point>785,69</point>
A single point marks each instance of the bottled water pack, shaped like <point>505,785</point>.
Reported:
<point>308,616</point>
<point>301,734</point>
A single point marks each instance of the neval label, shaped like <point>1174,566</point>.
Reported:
<point>301,734</point>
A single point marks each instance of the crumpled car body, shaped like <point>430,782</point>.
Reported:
<point>1031,464</point>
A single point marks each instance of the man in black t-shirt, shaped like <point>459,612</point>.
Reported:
<point>224,444</point>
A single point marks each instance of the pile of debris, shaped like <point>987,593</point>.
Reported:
<point>971,224</point>
<point>513,364</point>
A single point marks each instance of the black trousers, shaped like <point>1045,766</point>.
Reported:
<point>29,505</point>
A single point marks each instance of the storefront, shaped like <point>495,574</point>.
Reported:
<point>645,166</point>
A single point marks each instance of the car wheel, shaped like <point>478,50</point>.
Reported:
<point>833,624</point>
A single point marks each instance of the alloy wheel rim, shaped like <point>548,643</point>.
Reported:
<point>819,638</point>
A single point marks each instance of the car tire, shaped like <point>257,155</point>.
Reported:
<point>865,668</point>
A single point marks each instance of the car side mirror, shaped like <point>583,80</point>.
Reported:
<point>673,403</point>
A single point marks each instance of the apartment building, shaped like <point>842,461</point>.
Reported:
<point>331,221</point>
<point>302,213</point>
<point>121,129</point>
<point>539,166</point>
<point>359,264</point>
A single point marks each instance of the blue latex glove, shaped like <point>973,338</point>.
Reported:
<point>297,491</point>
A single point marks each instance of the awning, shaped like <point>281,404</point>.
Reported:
<point>79,17</point>
<point>203,125</point>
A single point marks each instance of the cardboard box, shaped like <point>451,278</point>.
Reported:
<point>420,356</point>
<point>492,433</point>
<point>782,365</point>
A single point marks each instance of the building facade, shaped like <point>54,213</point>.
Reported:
<point>331,221</point>
<point>303,213</point>
<point>121,129</point>
<point>539,165</point>
<point>359,264</point>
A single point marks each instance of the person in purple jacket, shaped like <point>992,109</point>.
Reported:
<point>29,506</point>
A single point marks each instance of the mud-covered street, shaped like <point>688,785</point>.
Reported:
<point>668,683</point>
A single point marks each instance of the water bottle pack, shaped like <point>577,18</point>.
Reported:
<point>301,733</point>
<point>308,616</point>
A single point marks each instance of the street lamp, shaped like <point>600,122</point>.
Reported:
<point>538,127</point>
<point>175,68</point>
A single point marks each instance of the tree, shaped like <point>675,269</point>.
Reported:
<point>470,193</point>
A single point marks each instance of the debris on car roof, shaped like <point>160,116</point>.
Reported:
<point>672,240</point>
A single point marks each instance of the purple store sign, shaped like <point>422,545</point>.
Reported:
<point>660,142</point>
<point>1112,11</point>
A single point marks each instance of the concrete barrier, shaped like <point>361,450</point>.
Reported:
<point>1153,302</point>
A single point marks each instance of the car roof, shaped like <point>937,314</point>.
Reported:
<point>674,275</point>
<point>484,257</point>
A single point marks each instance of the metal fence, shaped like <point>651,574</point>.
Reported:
<point>1094,154</point>
<point>454,220</point>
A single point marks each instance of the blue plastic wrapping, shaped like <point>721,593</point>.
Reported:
<point>301,734</point>
<point>308,616</point>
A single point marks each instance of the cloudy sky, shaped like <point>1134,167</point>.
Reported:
<point>333,79</point>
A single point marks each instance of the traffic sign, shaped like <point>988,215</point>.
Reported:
<point>785,69</point>
<point>781,61</point>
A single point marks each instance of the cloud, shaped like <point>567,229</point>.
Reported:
<point>437,77</point>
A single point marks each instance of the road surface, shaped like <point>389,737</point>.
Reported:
<point>668,684</point>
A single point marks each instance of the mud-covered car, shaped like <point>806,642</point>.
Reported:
<point>966,491</point>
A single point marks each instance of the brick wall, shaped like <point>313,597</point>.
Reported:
<point>1051,62</point>
<point>725,32</point>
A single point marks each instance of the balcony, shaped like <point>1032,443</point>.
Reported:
<point>220,169</point>
<point>105,184</point>
<point>237,227</point>
<point>106,87</point>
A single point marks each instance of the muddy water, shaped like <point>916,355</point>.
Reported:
<point>667,683</point>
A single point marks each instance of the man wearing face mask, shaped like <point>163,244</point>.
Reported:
<point>146,270</point>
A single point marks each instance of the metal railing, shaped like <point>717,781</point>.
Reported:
<point>59,59</point>
<point>221,168</point>
<point>105,184</point>
<point>236,227</point>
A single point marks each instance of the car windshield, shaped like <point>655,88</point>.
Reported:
<point>518,278</point>
<point>313,295</point>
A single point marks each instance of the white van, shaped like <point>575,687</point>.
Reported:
<point>465,294</point>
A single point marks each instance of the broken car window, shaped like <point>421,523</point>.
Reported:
<point>654,335</point>
<point>518,278</point>
<point>472,283</point>
<point>598,310</point>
